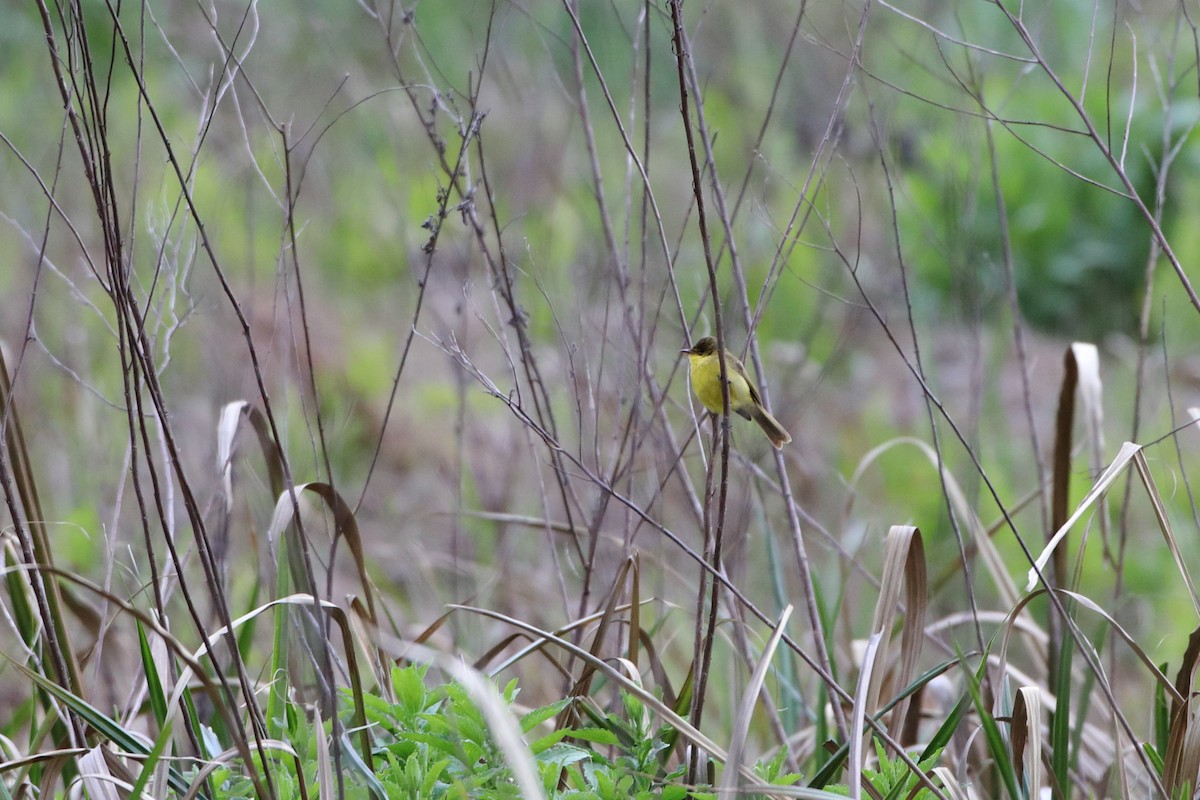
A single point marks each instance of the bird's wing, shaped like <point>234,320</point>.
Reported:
<point>754,392</point>
<point>741,370</point>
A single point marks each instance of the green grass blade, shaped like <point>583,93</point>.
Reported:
<point>997,746</point>
<point>103,724</point>
<point>158,701</point>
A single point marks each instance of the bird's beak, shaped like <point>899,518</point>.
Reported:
<point>686,350</point>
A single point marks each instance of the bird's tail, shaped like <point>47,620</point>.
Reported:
<point>775,432</point>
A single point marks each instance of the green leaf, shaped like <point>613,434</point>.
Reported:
<point>409,685</point>
<point>549,740</point>
<point>158,701</point>
<point>596,735</point>
<point>997,747</point>
<point>540,715</point>
<point>104,725</point>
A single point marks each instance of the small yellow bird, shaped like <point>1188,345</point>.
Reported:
<point>743,394</point>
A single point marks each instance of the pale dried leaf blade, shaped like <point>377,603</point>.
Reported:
<point>1135,648</point>
<point>228,425</point>
<point>160,654</point>
<point>583,683</point>
<point>741,725</point>
<point>1064,432</point>
<point>365,636</point>
<point>1027,737</point>
<point>1090,388</point>
<point>281,518</point>
<point>324,762</point>
<point>649,699</point>
<point>958,500</point>
<point>953,789</point>
<point>227,428</point>
<point>1164,525</point>
<point>859,714</point>
<point>916,583</point>
<point>903,566</point>
<point>895,553</point>
<point>1189,760</point>
<point>285,508</point>
<point>192,662</point>
<point>1087,364</point>
<point>346,526</point>
<point>98,781</point>
<point>1128,449</point>
<point>1019,737</point>
<point>635,609</point>
<point>1179,760</point>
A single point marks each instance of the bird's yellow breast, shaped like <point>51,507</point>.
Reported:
<point>706,383</point>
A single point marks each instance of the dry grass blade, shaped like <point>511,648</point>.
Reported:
<point>1081,377</point>
<point>1013,621</point>
<point>1064,428</point>
<point>669,716</point>
<point>951,785</point>
<point>225,759</point>
<point>1027,738</point>
<point>1124,456</point>
<point>15,764</point>
<point>1097,746</point>
<point>635,610</point>
<point>1135,648</point>
<point>1164,524</point>
<point>366,637</point>
<point>301,600</point>
<point>583,685</point>
<point>51,774</point>
<point>538,643</point>
<point>859,716</point>
<point>345,527</point>
<point>324,762</point>
<point>1181,761</point>
<point>232,415</point>
<point>730,783</point>
<point>536,523</point>
<point>499,647</point>
<point>903,566</point>
<point>958,499</point>
<point>98,781</point>
<point>1090,388</point>
<point>657,668</point>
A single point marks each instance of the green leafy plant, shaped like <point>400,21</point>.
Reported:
<point>893,778</point>
<point>435,743</point>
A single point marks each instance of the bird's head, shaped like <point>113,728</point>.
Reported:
<point>704,347</point>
